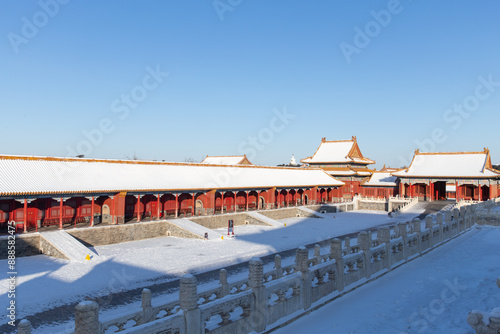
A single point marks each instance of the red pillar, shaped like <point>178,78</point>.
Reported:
<point>457,192</point>
<point>480,191</point>
<point>158,207</point>
<point>176,205</point>
<point>221,202</point>
<point>192,208</point>
<point>92,212</point>
<point>246,200</point>
<point>25,214</point>
<point>235,193</point>
<point>138,208</point>
<point>61,213</point>
<point>113,221</point>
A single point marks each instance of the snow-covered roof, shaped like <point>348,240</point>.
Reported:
<point>42,175</point>
<point>338,151</point>
<point>347,172</point>
<point>381,179</point>
<point>226,160</point>
<point>459,164</point>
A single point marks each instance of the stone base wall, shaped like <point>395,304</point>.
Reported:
<point>282,213</point>
<point>221,221</point>
<point>378,206</point>
<point>26,245</point>
<point>326,208</point>
<point>107,235</point>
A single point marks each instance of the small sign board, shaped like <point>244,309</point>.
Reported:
<point>230,227</point>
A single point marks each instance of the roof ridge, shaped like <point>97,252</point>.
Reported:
<point>138,162</point>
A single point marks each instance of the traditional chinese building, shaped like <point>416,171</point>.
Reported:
<point>380,184</point>
<point>227,160</point>
<point>39,191</point>
<point>343,160</point>
<point>461,175</point>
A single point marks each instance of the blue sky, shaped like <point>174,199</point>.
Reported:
<point>266,78</point>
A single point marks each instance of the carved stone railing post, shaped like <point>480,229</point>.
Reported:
<point>385,237</point>
<point>347,243</point>
<point>429,224</point>
<point>87,318</point>
<point>24,327</point>
<point>364,243</point>
<point>456,220</point>
<point>147,309</point>
<point>317,255</point>
<point>403,233</point>
<point>462,219</point>
<point>301,260</point>
<point>188,300</point>
<point>258,315</point>
<point>447,217</point>
<point>336,253</point>
<point>277,265</point>
<point>439,221</point>
<point>224,287</point>
<point>417,228</point>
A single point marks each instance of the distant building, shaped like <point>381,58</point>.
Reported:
<point>343,160</point>
<point>380,184</point>
<point>292,163</point>
<point>227,160</point>
<point>460,175</point>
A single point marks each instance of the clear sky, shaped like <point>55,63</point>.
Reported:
<point>177,80</point>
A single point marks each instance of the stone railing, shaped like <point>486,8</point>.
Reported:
<point>485,323</point>
<point>266,297</point>
<point>405,205</point>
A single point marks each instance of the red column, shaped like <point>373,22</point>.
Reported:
<point>138,208</point>
<point>158,207</point>
<point>221,202</point>
<point>176,205</point>
<point>235,193</point>
<point>247,201</point>
<point>457,192</point>
<point>113,215</point>
<point>192,207</point>
<point>61,213</point>
<point>25,214</point>
<point>92,212</point>
<point>480,195</point>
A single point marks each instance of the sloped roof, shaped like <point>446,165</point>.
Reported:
<point>381,179</point>
<point>453,164</point>
<point>338,151</point>
<point>22,175</point>
<point>227,160</point>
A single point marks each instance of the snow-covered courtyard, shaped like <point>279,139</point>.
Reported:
<point>44,282</point>
<point>431,294</point>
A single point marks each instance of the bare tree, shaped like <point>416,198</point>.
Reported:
<point>134,157</point>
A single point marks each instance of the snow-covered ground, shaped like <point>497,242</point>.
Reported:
<point>44,282</point>
<point>432,294</point>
